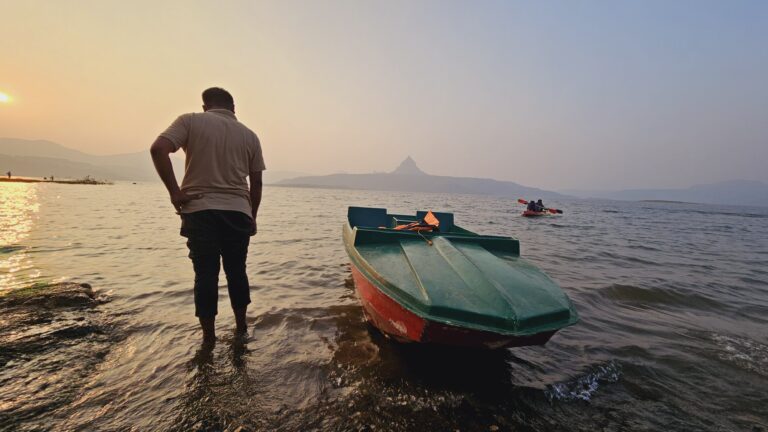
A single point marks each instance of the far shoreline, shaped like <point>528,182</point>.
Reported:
<point>667,201</point>
<point>85,181</point>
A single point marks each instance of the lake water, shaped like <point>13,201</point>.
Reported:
<point>673,300</point>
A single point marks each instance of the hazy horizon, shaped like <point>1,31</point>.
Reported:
<point>556,95</point>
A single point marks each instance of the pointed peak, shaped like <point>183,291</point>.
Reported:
<point>408,167</point>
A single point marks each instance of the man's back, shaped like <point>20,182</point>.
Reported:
<point>217,205</point>
<point>220,153</point>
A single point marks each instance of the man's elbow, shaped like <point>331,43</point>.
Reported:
<point>157,151</point>
<point>161,147</point>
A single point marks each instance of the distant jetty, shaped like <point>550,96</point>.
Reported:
<point>87,180</point>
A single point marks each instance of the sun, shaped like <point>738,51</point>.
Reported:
<point>4,98</point>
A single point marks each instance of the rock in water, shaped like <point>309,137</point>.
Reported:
<point>64,294</point>
<point>56,334</point>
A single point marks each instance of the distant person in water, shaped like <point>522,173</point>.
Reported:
<point>218,208</point>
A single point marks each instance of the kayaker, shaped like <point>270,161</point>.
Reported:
<point>531,206</point>
<point>217,207</point>
<point>540,206</point>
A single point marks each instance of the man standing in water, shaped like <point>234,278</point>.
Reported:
<point>217,207</point>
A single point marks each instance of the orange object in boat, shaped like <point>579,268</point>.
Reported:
<point>430,223</point>
<point>431,219</point>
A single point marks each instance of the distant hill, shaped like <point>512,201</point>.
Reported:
<point>40,158</point>
<point>273,177</point>
<point>30,166</point>
<point>408,167</point>
<point>736,192</point>
<point>408,177</point>
<point>44,158</point>
<point>42,148</point>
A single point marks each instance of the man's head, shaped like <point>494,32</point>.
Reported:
<point>218,98</point>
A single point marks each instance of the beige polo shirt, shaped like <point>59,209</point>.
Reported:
<point>220,153</point>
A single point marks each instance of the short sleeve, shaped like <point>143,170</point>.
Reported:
<point>178,131</point>
<point>257,159</point>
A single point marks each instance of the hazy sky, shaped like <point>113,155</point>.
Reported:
<point>570,94</point>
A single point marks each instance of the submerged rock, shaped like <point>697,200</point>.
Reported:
<point>63,294</point>
<point>52,339</point>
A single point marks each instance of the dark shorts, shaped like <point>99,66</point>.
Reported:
<point>215,237</point>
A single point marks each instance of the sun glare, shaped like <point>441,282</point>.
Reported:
<point>4,98</point>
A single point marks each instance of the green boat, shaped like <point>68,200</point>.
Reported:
<point>448,285</point>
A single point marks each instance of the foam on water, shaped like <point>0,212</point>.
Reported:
<point>585,386</point>
<point>743,352</point>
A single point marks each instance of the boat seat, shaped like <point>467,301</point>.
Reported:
<point>367,217</point>
<point>446,219</point>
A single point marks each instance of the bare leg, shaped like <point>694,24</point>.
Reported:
<point>242,327</point>
<point>209,329</point>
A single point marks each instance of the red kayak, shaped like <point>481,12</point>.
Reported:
<point>544,212</point>
<point>529,213</point>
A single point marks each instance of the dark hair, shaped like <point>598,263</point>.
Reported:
<point>218,97</point>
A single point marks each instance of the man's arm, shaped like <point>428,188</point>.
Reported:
<point>256,185</point>
<point>161,150</point>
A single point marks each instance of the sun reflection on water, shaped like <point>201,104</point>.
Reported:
<point>18,211</point>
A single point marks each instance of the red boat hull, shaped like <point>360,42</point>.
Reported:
<point>403,325</point>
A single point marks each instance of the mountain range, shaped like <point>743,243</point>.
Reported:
<point>40,158</point>
<point>735,192</point>
<point>410,178</point>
